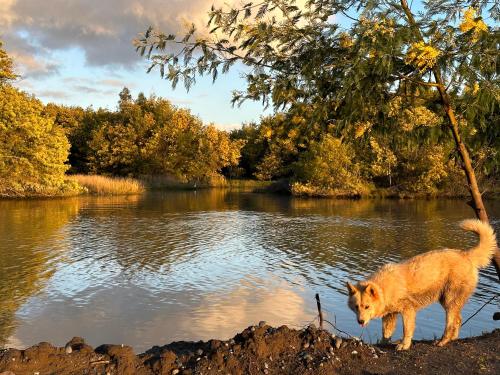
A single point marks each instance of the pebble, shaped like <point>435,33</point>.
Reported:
<point>330,350</point>
<point>199,352</point>
<point>375,356</point>
<point>262,323</point>
<point>354,352</point>
<point>175,371</point>
<point>338,342</point>
<point>306,345</point>
<point>68,349</point>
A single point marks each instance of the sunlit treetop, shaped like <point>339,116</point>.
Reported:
<point>6,67</point>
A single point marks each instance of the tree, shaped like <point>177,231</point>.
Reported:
<point>6,67</point>
<point>33,151</point>
<point>385,49</point>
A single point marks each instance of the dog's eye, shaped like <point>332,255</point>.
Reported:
<point>367,307</point>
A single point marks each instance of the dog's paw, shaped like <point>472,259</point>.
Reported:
<point>403,346</point>
<point>442,342</point>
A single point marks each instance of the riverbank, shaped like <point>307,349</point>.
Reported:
<point>76,185</point>
<point>261,349</point>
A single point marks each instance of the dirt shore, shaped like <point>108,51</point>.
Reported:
<point>260,349</point>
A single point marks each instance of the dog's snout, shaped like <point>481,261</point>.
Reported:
<point>361,321</point>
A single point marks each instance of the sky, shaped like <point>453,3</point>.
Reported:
<point>80,52</point>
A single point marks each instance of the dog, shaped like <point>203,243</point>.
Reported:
<point>446,276</point>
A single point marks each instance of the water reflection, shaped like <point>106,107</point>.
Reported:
<point>147,270</point>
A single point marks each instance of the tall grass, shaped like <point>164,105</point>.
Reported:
<point>102,185</point>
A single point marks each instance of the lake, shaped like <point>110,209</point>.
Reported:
<point>195,265</point>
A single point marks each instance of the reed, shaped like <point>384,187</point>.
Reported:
<point>102,185</point>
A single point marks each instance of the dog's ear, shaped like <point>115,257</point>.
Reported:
<point>372,291</point>
<point>351,288</point>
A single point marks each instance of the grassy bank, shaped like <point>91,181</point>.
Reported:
<point>102,185</point>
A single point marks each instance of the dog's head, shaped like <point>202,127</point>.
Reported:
<point>364,300</point>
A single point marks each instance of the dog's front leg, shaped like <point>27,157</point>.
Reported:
<point>388,326</point>
<point>408,329</point>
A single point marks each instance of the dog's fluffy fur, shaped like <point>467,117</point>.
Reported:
<point>448,276</point>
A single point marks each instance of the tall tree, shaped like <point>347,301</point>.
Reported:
<point>348,71</point>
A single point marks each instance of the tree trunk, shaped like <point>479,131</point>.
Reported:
<point>477,200</point>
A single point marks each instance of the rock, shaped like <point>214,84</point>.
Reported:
<point>338,342</point>
<point>68,349</point>
<point>262,323</point>
<point>175,371</point>
<point>354,352</point>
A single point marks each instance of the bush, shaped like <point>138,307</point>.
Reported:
<point>327,168</point>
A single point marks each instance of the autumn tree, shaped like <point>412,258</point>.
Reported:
<point>33,151</point>
<point>350,70</point>
<point>7,73</point>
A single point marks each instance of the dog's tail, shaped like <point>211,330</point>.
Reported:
<point>481,255</point>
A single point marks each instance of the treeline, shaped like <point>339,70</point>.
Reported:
<point>144,136</point>
<point>311,148</point>
<point>41,144</point>
<point>407,152</point>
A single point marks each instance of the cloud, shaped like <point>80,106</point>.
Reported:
<point>54,94</point>
<point>103,30</point>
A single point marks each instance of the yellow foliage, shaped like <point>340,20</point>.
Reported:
<point>384,159</point>
<point>361,127</point>
<point>422,56</point>
<point>33,151</point>
<point>471,22</point>
<point>346,40</point>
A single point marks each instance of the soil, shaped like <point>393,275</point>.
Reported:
<point>260,349</point>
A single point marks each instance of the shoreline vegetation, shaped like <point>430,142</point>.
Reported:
<point>261,349</point>
<point>79,184</point>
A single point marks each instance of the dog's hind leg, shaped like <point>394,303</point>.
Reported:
<point>409,316</point>
<point>388,326</point>
<point>453,322</point>
<point>453,305</point>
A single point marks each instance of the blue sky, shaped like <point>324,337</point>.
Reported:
<point>80,52</point>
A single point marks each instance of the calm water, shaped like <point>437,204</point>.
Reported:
<point>152,269</point>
